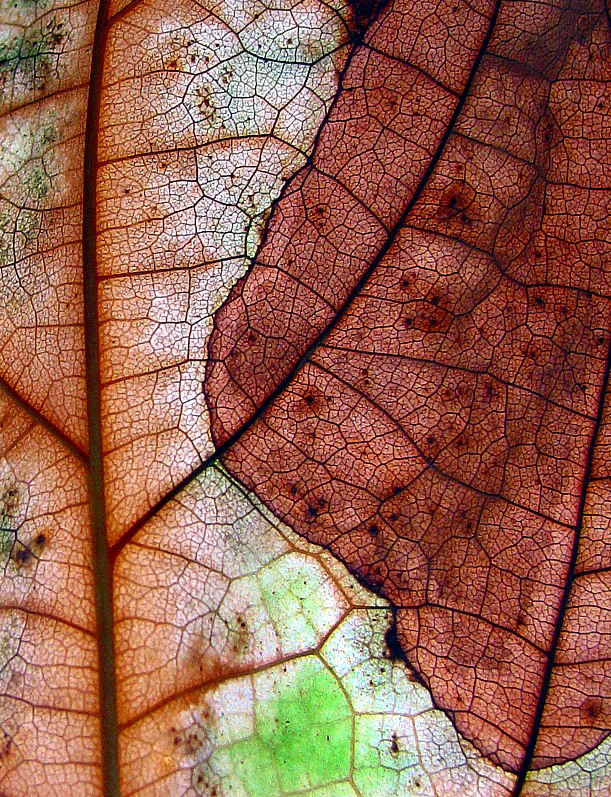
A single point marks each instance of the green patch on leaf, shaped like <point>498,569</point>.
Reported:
<point>303,733</point>
<point>37,183</point>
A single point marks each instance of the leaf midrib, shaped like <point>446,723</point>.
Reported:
<point>102,556</point>
<point>102,574</point>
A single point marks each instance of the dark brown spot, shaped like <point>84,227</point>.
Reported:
<point>6,743</point>
<point>591,709</point>
<point>22,556</point>
<point>455,201</point>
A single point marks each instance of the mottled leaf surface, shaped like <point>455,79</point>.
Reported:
<point>304,434</point>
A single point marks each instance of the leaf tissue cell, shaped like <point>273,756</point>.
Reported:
<point>305,422</point>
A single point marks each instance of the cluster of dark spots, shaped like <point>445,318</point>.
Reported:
<point>202,782</point>
<point>366,381</point>
<point>320,214</point>
<point>8,510</point>
<point>455,201</point>
<point>23,554</point>
<point>8,501</point>
<point>188,741</point>
<point>241,636</point>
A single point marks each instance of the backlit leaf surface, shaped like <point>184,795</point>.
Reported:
<point>304,355</point>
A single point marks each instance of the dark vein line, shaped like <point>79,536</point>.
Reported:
<point>40,419</point>
<point>101,570</point>
<point>530,749</point>
<point>222,449</point>
<point>504,383</point>
<point>123,12</point>
<point>29,612</point>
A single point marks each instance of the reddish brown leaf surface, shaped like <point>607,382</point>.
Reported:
<point>413,372</point>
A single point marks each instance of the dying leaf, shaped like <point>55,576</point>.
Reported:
<point>304,358</point>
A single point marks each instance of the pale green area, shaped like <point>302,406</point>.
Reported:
<point>387,761</point>
<point>27,159</point>
<point>343,789</point>
<point>286,607</point>
<point>37,182</point>
<point>27,59</point>
<point>590,775</point>
<point>327,713</point>
<point>359,727</point>
<point>7,540</point>
<point>8,511</point>
<point>300,600</point>
<point>302,735</point>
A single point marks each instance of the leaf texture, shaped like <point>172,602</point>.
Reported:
<point>304,426</point>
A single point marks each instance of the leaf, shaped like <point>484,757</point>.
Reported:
<point>304,353</point>
<point>430,411</point>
